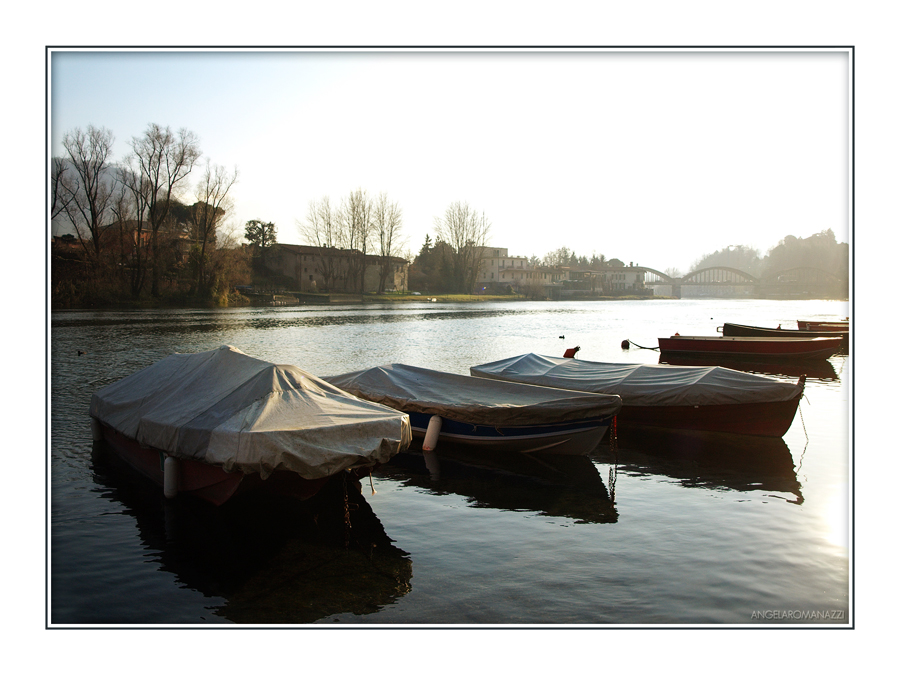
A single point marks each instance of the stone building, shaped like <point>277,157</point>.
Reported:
<point>336,270</point>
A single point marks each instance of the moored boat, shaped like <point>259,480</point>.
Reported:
<point>464,410</point>
<point>217,423</point>
<point>823,325</point>
<point>695,398</point>
<point>752,347</point>
<point>813,369</point>
<point>739,330</point>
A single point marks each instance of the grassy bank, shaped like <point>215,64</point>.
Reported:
<point>392,297</point>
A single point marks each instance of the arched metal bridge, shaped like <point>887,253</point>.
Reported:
<point>729,281</point>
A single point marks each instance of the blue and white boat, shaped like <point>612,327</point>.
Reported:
<point>491,414</point>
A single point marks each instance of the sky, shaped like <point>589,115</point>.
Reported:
<point>656,157</point>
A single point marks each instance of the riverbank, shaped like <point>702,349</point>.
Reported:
<point>280,299</point>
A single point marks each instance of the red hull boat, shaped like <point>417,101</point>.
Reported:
<point>685,398</point>
<point>753,347</point>
<point>738,330</point>
<point>218,423</point>
<point>824,325</point>
<point>205,481</point>
<point>752,419</point>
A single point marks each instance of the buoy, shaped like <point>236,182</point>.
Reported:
<point>432,433</point>
<point>626,344</point>
<point>170,477</point>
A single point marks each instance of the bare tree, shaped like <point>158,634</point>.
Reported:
<point>59,197</point>
<point>132,211</point>
<point>387,221</point>
<point>85,193</point>
<point>467,234</point>
<point>356,220</point>
<point>164,160</point>
<point>322,228</point>
<point>213,203</point>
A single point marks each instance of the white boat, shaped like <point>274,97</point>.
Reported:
<point>220,422</point>
<point>697,398</point>
<point>493,415</point>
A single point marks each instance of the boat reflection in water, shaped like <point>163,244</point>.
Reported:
<point>821,370</point>
<point>272,559</point>
<point>567,486</point>
<point>708,460</point>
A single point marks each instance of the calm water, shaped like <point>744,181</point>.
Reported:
<point>664,531</point>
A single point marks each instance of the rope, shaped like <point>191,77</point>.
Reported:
<point>639,347</point>
<point>802,421</point>
<point>614,469</point>
<point>347,525</point>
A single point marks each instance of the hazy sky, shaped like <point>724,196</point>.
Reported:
<point>655,158</point>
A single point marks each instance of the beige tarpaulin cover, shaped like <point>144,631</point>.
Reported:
<point>642,385</point>
<point>231,410</point>
<point>472,400</point>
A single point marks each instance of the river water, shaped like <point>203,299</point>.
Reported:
<point>662,531</point>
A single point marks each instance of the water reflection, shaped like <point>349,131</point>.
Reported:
<point>708,460</point>
<point>314,316</point>
<point>266,559</point>
<point>550,485</point>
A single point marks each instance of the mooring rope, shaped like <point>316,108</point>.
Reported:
<point>614,469</point>
<point>639,346</point>
<point>802,421</point>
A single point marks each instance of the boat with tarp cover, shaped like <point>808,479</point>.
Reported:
<point>695,398</point>
<point>218,423</point>
<point>505,416</point>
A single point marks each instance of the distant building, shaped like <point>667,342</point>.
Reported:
<point>317,268</point>
<point>618,277</point>
<point>500,271</point>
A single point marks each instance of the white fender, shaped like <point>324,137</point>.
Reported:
<point>432,433</point>
<point>96,431</point>
<point>170,477</point>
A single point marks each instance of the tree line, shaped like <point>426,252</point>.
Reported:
<point>374,225</point>
<point>820,250</point>
<point>135,234</point>
<point>434,268</point>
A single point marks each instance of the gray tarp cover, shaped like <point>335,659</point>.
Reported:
<point>641,385</point>
<point>472,400</point>
<point>231,410</point>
